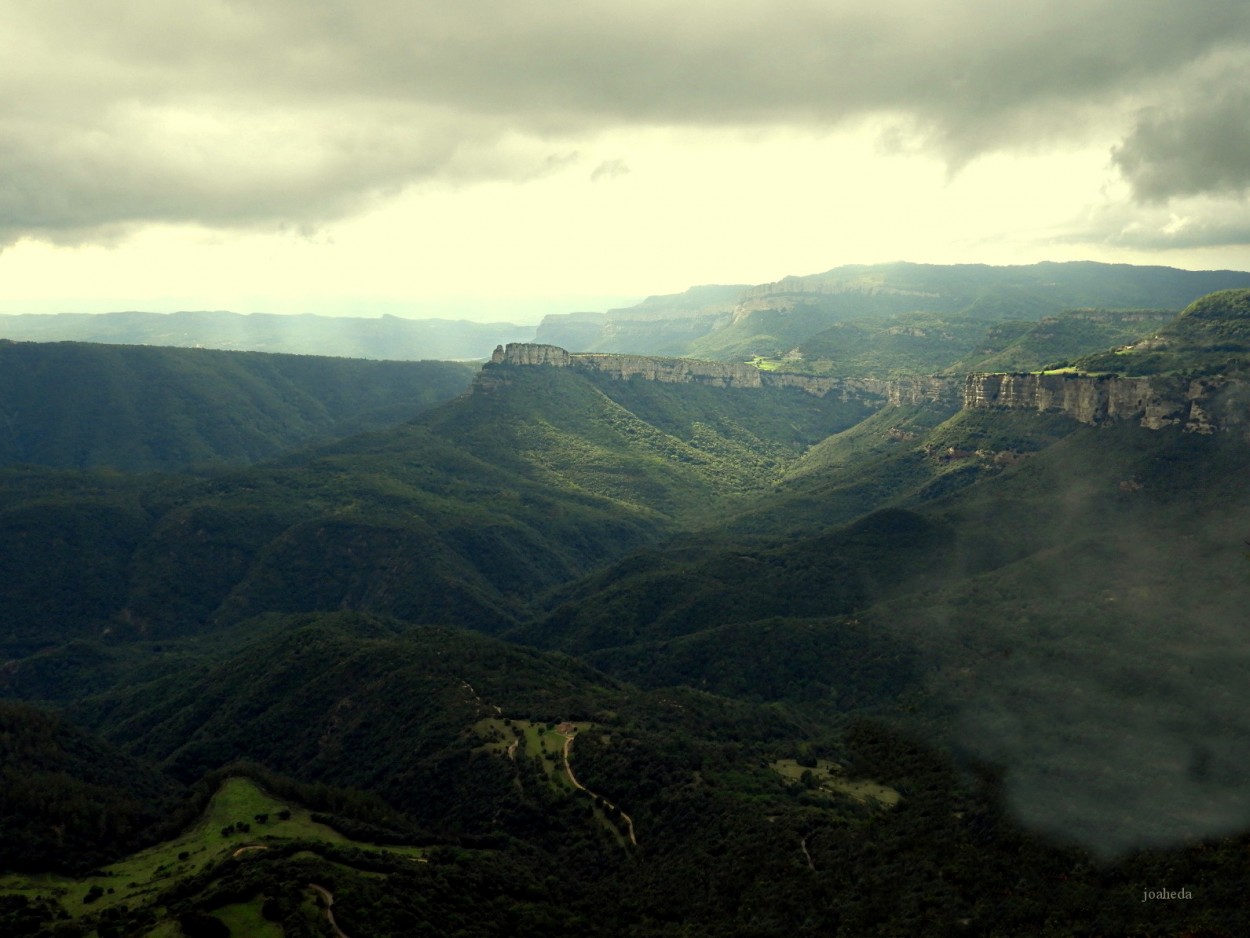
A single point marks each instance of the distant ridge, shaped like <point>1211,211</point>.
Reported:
<point>734,322</point>
<point>1212,331</point>
<point>789,317</point>
<point>385,338</point>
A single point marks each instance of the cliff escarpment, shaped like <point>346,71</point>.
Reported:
<point>1198,405</point>
<point>909,390</point>
<point>1205,404</point>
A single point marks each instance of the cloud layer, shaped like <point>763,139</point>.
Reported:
<point>1196,142</point>
<point>231,113</point>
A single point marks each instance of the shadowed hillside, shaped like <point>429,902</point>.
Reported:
<point>77,405</point>
<point>650,649</point>
<point>460,517</point>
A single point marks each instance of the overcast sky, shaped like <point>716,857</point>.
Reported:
<point>496,159</point>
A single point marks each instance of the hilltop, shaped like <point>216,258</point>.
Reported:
<point>882,318</point>
<point>1211,336</point>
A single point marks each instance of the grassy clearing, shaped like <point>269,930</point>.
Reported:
<point>216,838</point>
<point>527,739</point>
<point>544,741</point>
<point>828,778</point>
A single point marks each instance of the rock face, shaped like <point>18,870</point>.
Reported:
<point>527,353</point>
<point>670,370</point>
<point>1198,405</point>
<point>911,390</point>
<point>918,389</point>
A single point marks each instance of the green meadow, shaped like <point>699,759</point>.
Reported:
<point>829,778</point>
<point>241,820</point>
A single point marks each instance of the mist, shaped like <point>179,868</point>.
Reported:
<point>1104,672</point>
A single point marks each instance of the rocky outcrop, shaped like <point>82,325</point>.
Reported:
<point>1198,405</point>
<point>910,390</point>
<point>919,389</point>
<point>914,389</point>
<point>529,353</point>
<point>624,367</point>
<point>670,370</point>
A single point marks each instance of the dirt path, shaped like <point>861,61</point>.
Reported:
<point>803,843</point>
<point>329,901</point>
<point>629,821</point>
<point>482,703</point>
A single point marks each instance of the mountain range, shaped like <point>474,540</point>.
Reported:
<point>593,642</point>
<point>386,337</point>
<point>905,318</point>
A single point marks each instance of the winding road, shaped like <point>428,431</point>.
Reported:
<point>629,821</point>
<point>329,901</point>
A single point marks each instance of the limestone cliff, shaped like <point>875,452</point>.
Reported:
<point>528,353</point>
<point>1198,405</point>
<point>911,390</point>
<point>647,367</point>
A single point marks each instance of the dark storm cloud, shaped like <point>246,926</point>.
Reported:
<point>1199,145</point>
<point>221,112</point>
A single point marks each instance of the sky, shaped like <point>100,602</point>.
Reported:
<point>496,160</point>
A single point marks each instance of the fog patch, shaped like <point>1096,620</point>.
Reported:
<point>1106,676</point>
<point>1133,743</point>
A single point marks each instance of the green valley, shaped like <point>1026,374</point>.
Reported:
<point>875,640</point>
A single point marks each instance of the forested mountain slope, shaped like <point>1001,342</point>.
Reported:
<point>1210,337</point>
<point>583,653</point>
<point>459,517</point>
<point>79,405</point>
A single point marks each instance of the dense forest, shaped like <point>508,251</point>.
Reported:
<point>567,654</point>
<point>142,409</point>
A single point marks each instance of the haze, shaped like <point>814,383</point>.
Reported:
<point>490,160</point>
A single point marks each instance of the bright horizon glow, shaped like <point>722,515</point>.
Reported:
<point>511,175</point>
<point>691,211</point>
